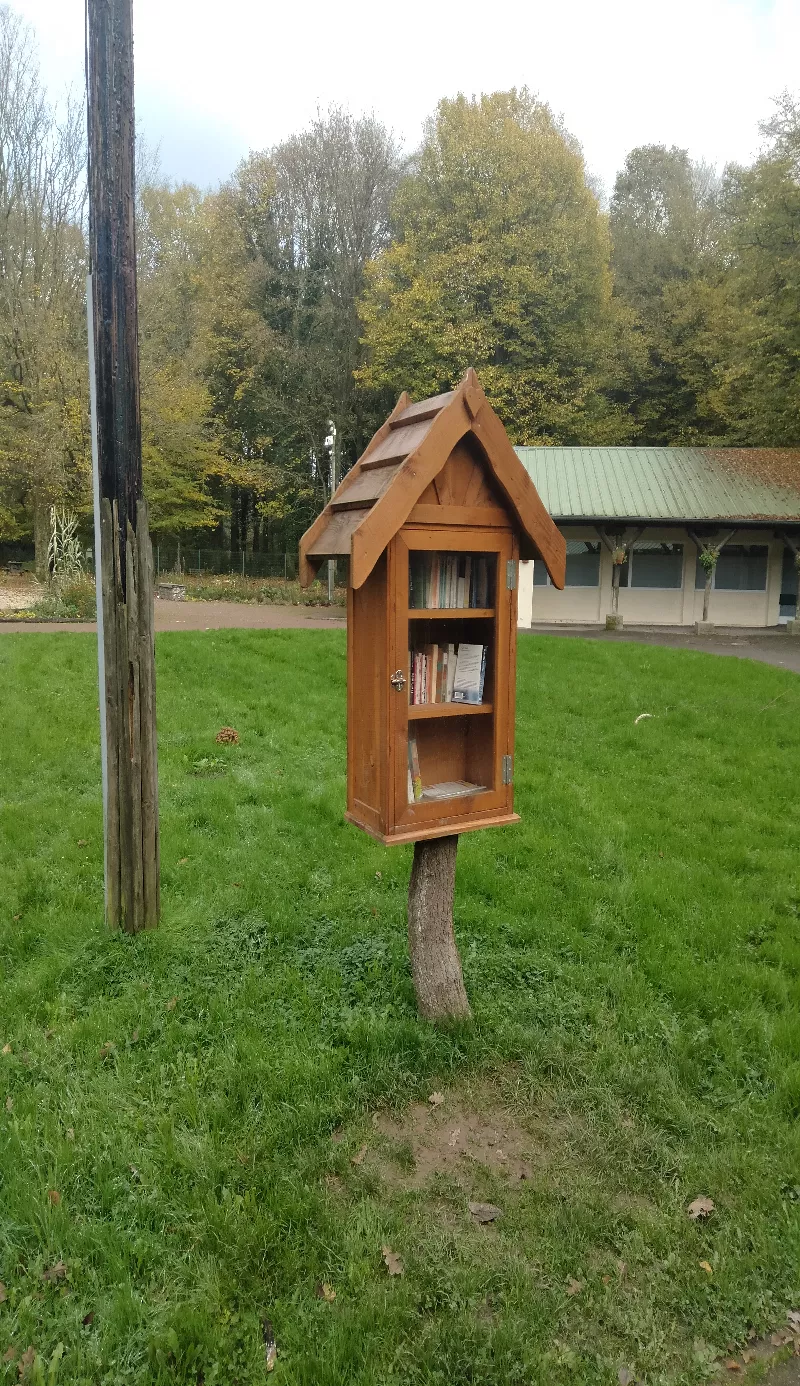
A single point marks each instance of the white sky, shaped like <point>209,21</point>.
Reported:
<point>216,79</point>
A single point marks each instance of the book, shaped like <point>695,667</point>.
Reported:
<point>451,673</point>
<point>414,776</point>
<point>470,673</point>
<point>450,789</point>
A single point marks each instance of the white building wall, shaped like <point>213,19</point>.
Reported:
<point>653,606</point>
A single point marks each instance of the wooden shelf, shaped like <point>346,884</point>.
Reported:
<point>449,613</point>
<point>416,711</point>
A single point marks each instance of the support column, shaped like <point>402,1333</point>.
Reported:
<point>124,562</point>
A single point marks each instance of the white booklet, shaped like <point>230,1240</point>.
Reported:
<point>470,673</point>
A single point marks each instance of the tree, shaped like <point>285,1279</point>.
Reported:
<point>500,261</point>
<point>292,233</point>
<point>761,391</point>
<point>667,236</point>
<point>183,463</point>
<point>44,438</point>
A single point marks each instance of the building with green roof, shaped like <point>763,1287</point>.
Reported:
<point>650,512</point>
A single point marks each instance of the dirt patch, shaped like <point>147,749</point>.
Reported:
<point>451,1139</point>
<point>772,1361</point>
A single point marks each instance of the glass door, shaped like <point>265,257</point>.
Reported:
<point>450,646</point>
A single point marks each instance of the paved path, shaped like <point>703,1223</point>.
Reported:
<point>212,616</point>
<point>767,646</point>
<point>772,646</point>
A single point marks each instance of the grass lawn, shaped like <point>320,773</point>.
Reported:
<point>179,1112</point>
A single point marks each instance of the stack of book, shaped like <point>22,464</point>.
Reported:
<point>449,581</point>
<point>447,673</point>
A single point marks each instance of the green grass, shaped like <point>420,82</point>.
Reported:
<point>632,952</point>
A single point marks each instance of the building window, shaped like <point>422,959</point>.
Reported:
<point>654,565</point>
<point>583,566</point>
<point>740,568</point>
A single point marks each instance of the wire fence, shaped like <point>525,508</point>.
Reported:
<point>177,559</point>
<point>221,562</point>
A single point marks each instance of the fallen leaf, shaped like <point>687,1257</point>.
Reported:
<point>9,1354</point>
<point>107,1049</point>
<point>172,1003</point>
<point>626,1377</point>
<point>392,1261</point>
<point>82,842</point>
<point>793,1317</point>
<point>454,1135</point>
<point>485,1212</point>
<point>270,1346</point>
<point>574,1287</point>
<point>732,1365</point>
<point>54,1196</point>
<point>358,1158</point>
<point>135,1175</point>
<point>227,736</point>
<point>56,1272</point>
<point>9,1104</point>
<point>374,912</point>
<point>641,718</point>
<point>709,1270</point>
<point>378,875</point>
<point>88,1318</point>
<point>701,1207</point>
<point>325,1291</point>
<point>606,1279</point>
<point>436,1099</point>
<point>135,1037</point>
<point>6,1048</point>
<point>70,1133</point>
<point>26,1360</point>
<point>183,861</point>
<point>748,1356</point>
<point>16,918</point>
<point>3,1293</point>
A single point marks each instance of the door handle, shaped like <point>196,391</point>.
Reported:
<point>398,680</point>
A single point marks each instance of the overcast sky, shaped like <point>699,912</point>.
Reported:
<point>215,78</point>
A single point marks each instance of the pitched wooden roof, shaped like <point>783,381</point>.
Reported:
<point>378,494</point>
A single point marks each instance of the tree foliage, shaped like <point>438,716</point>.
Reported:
<point>328,274</point>
<point>500,261</point>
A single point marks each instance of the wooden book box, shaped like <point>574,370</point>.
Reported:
<point>434,518</point>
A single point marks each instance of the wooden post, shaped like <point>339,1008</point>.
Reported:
<point>125,563</point>
<point>435,964</point>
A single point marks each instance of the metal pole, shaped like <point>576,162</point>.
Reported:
<point>98,575</point>
<point>331,561</point>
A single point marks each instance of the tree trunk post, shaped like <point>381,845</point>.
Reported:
<point>615,578</point>
<point>124,565</point>
<point>707,592</point>
<point>435,964</point>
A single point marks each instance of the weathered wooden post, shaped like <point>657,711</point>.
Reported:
<point>434,517</point>
<point>124,559</point>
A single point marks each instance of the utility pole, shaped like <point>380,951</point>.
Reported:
<point>331,441</point>
<point>124,562</point>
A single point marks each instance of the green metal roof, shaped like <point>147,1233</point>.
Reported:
<point>677,484</point>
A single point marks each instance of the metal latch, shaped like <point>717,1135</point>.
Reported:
<point>398,680</point>
<point>508,769</point>
<point>511,574</point>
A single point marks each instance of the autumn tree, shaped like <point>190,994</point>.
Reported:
<point>44,438</point>
<point>762,387</point>
<point>667,235</point>
<point>184,466</point>
<point>500,261</point>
